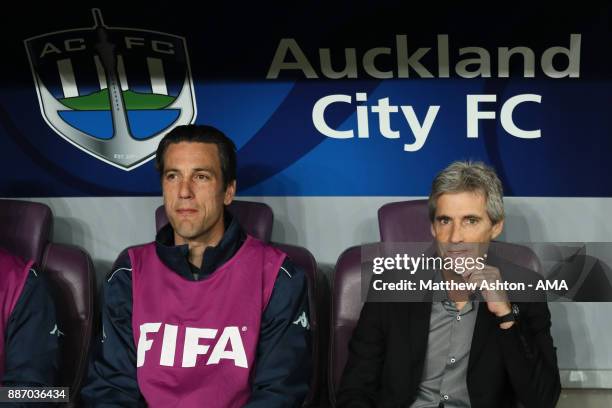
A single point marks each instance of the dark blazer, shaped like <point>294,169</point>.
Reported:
<point>387,355</point>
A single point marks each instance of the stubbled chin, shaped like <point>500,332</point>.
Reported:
<point>184,227</point>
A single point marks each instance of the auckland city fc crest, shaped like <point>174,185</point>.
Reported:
<point>113,92</point>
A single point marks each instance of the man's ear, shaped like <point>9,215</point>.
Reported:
<point>497,229</point>
<point>230,192</point>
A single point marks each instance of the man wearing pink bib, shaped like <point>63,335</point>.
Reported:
<point>205,316</point>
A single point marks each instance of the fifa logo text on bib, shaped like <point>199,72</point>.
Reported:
<point>228,345</point>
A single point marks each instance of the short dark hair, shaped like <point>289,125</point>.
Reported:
<point>201,134</point>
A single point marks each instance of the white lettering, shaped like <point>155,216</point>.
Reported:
<point>483,61</point>
<point>404,61</point>
<point>506,116</point>
<point>74,44</point>
<point>552,285</point>
<point>193,348</point>
<point>474,115</point>
<point>318,117</point>
<point>49,48</point>
<point>230,335</point>
<point>279,62</point>
<point>168,345</point>
<point>350,66</point>
<point>503,69</point>
<point>130,42</point>
<point>468,62</point>
<point>419,131</point>
<point>384,109</point>
<point>573,59</point>
<point>163,47</point>
<point>369,63</point>
<point>507,110</point>
<point>145,344</point>
<point>229,345</point>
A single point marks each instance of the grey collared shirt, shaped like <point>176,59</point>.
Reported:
<point>446,359</point>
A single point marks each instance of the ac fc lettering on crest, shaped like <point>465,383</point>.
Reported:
<point>78,44</point>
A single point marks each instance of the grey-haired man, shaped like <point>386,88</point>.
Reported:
<point>461,350</point>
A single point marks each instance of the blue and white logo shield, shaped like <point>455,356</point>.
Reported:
<point>113,92</point>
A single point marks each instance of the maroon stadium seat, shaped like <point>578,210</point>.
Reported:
<point>404,221</point>
<point>346,306</point>
<point>303,259</point>
<point>25,228</point>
